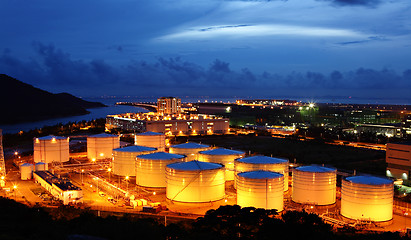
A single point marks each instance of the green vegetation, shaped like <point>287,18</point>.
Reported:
<point>304,152</point>
<point>226,222</point>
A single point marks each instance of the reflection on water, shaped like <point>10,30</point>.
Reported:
<point>95,113</point>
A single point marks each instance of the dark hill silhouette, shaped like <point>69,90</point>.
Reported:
<point>21,102</point>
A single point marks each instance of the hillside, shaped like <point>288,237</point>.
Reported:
<point>21,102</point>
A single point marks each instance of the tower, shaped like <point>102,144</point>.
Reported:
<point>2,164</point>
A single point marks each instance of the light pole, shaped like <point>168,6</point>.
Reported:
<point>15,190</point>
<point>127,177</point>
<point>109,173</point>
<point>81,175</point>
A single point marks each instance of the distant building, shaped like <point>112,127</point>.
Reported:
<point>271,102</point>
<point>389,130</point>
<point>398,158</point>
<point>175,124</point>
<point>168,105</point>
<point>62,189</point>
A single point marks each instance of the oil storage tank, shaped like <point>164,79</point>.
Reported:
<point>189,149</point>
<point>265,163</point>
<point>26,171</point>
<point>195,181</point>
<point>51,149</point>
<point>150,168</point>
<point>367,198</point>
<point>40,166</point>
<point>101,146</point>
<point>151,139</point>
<point>314,185</point>
<point>260,189</point>
<point>124,159</point>
<point>222,156</point>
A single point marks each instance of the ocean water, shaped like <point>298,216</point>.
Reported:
<point>116,109</point>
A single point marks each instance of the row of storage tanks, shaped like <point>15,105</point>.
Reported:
<point>260,180</point>
<point>50,149</point>
<point>194,172</point>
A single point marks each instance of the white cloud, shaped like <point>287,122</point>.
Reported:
<point>261,30</point>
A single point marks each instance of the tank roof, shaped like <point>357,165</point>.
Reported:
<point>190,145</point>
<point>369,180</point>
<point>103,135</point>
<point>149,133</point>
<point>135,148</point>
<point>262,160</point>
<point>50,137</point>
<point>40,163</point>
<point>26,165</point>
<point>194,165</point>
<point>260,174</point>
<point>222,151</point>
<point>160,156</point>
<point>315,168</point>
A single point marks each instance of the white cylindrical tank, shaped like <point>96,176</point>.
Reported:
<point>265,163</point>
<point>51,149</point>
<point>124,159</point>
<point>151,139</point>
<point>26,171</point>
<point>260,189</point>
<point>314,185</point>
<point>189,149</point>
<point>222,156</point>
<point>41,166</point>
<point>101,146</point>
<point>150,168</point>
<point>195,181</point>
<point>367,198</point>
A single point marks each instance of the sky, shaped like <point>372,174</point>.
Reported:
<point>244,48</point>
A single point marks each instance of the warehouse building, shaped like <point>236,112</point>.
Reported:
<point>174,124</point>
<point>398,158</point>
<point>62,189</point>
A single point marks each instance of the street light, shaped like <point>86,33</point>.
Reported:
<point>81,174</point>
<point>109,173</point>
<point>127,177</point>
<point>15,190</point>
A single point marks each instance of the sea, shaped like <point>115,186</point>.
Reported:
<point>112,108</point>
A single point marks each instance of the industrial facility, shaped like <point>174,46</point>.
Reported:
<point>222,156</point>
<point>190,149</point>
<point>367,198</point>
<point>314,185</point>
<point>398,159</point>
<point>260,189</point>
<point>151,139</point>
<point>150,168</point>
<point>62,189</point>
<point>51,149</point>
<point>101,146</point>
<point>174,124</point>
<point>195,182</point>
<point>124,159</point>
<point>254,163</point>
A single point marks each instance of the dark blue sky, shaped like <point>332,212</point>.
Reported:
<point>209,47</point>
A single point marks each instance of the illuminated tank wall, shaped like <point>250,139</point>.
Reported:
<point>314,185</point>
<point>195,181</point>
<point>260,189</point>
<point>367,198</point>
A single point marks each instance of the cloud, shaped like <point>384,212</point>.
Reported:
<point>258,30</point>
<point>370,3</point>
<point>369,39</point>
<point>56,70</point>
